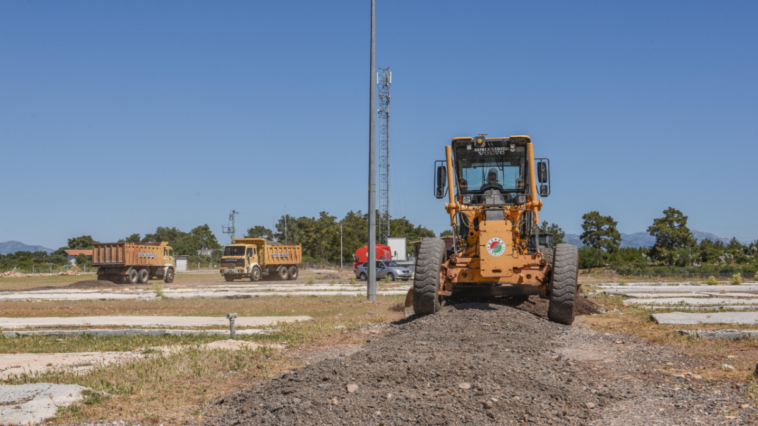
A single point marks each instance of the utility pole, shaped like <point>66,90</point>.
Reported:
<point>384,80</point>
<point>371,283</point>
<point>340,246</point>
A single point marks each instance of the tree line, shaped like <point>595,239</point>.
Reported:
<point>674,245</point>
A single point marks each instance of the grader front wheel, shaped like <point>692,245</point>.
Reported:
<point>564,278</point>
<point>426,282</point>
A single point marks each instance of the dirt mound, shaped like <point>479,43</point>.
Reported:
<point>92,284</point>
<point>474,363</point>
<point>539,307</point>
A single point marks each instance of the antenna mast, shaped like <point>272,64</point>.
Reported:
<point>383,81</point>
<point>230,229</point>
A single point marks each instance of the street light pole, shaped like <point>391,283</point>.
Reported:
<point>371,283</point>
<point>340,247</point>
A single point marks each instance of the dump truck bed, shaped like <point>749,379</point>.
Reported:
<point>269,254</point>
<point>127,254</point>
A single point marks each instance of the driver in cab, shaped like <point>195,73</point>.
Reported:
<point>492,180</point>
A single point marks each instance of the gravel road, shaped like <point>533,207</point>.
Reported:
<point>485,363</point>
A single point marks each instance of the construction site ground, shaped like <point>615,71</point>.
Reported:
<point>484,361</point>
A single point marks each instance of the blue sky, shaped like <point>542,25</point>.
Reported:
<point>119,117</point>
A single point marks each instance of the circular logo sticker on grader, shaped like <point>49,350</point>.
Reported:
<point>495,246</point>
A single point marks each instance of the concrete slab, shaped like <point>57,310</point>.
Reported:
<point>127,332</point>
<point>233,292</point>
<point>617,289</point>
<point>17,364</point>
<point>144,321</point>
<point>35,403</point>
<point>692,301</point>
<point>721,334</point>
<point>706,318</point>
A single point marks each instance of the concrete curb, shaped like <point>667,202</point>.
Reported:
<point>126,332</point>
<point>721,334</point>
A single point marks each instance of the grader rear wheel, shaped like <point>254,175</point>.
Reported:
<point>564,281</point>
<point>426,282</point>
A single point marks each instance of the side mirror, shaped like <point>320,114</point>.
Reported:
<point>542,172</point>
<point>544,191</point>
<point>356,258</point>
<point>441,182</point>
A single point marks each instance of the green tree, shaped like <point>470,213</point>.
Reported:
<point>260,232</point>
<point>134,238</point>
<point>85,242</point>
<point>553,228</point>
<point>600,232</point>
<point>82,260</point>
<point>671,233</point>
<point>204,237</point>
<point>709,251</point>
<point>446,233</point>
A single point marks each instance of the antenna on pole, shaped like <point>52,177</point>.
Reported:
<point>371,283</point>
<point>383,81</point>
<point>230,229</point>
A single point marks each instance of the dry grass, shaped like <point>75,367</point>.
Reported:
<point>178,386</point>
<point>741,354</point>
<point>317,307</point>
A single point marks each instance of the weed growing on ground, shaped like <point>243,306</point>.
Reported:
<point>712,280</point>
<point>737,279</point>
<point>332,282</point>
<point>310,281</point>
<point>387,279</point>
<point>158,290</point>
<point>352,280</point>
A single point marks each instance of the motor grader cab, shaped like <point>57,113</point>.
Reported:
<point>491,185</point>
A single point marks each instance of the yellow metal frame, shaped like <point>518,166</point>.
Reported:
<point>475,265</point>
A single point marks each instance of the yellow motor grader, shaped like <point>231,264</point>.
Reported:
<point>496,249</point>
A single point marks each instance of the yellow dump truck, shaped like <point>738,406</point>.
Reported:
<point>256,257</point>
<point>129,263</point>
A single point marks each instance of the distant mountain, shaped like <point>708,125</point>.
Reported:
<point>14,246</point>
<point>643,239</point>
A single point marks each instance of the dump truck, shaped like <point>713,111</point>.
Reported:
<point>496,248</point>
<point>254,258</point>
<point>130,263</point>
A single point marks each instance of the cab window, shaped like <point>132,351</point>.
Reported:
<point>171,252</point>
<point>249,252</point>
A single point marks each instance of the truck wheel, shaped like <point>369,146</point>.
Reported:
<point>229,277</point>
<point>293,272</point>
<point>133,276</point>
<point>426,282</point>
<point>255,274</point>
<point>143,276</point>
<point>564,280</point>
<point>169,278</point>
<point>282,273</point>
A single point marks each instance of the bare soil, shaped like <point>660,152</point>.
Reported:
<point>486,363</point>
<point>77,285</point>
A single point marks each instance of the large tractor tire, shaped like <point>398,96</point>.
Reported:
<point>548,254</point>
<point>426,283</point>
<point>169,277</point>
<point>564,280</point>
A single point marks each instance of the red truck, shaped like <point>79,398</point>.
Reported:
<point>361,255</point>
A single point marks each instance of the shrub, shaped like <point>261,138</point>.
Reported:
<point>158,290</point>
<point>352,280</point>
<point>712,281</point>
<point>737,279</point>
<point>387,279</point>
<point>310,281</point>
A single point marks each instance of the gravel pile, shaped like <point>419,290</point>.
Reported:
<point>471,363</point>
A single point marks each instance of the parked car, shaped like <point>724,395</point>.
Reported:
<point>384,268</point>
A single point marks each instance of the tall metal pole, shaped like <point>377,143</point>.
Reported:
<point>371,285</point>
<point>340,246</point>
